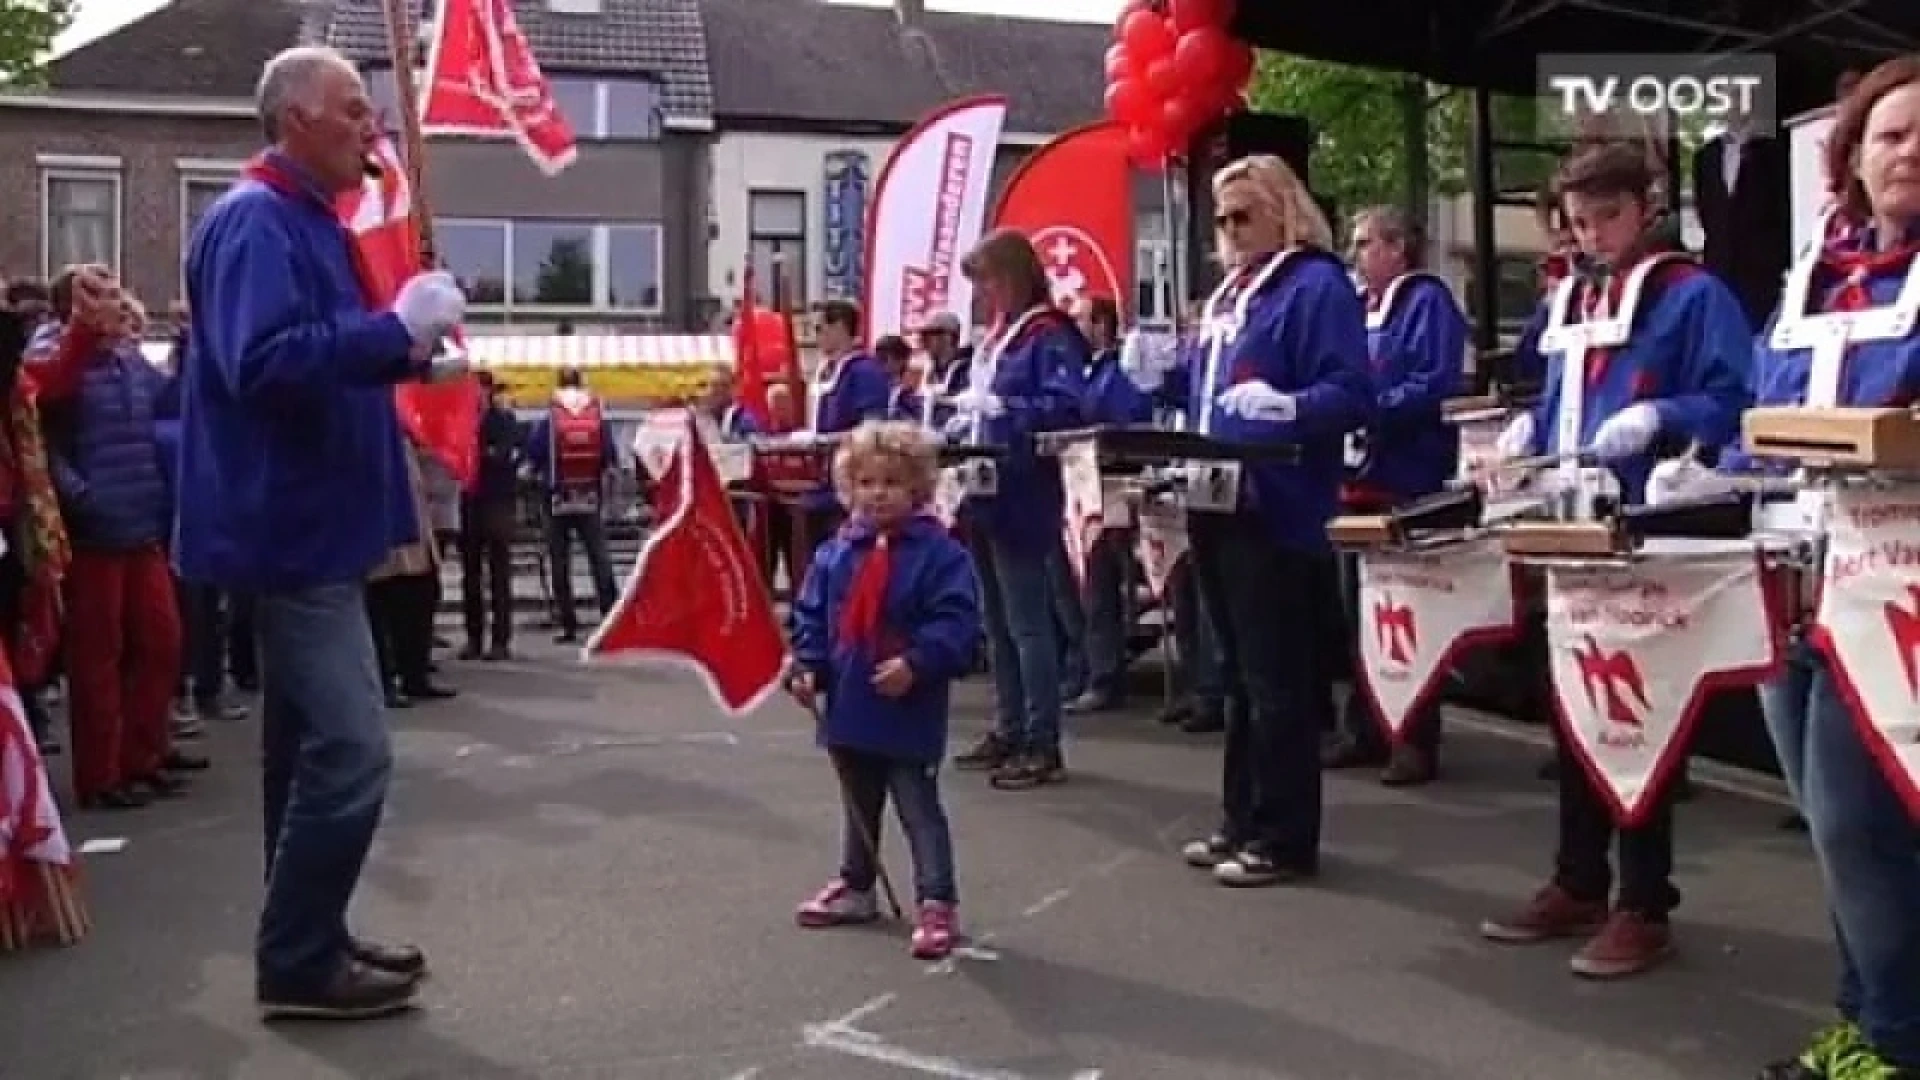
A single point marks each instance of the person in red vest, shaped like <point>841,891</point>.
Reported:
<point>570,450</point>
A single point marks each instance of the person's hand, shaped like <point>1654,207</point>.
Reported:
<point>801,688</point>
<point>449,363</point>
<point>1256,399</point>
<point>1684,478</point>
<point>1517,441</point>
<point>98,304</point>
<point>979,403</point>
<point>893,678</point>
<point>430,305</point>
<point>1627,432</point>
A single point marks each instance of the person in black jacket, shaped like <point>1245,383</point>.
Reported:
<point>487,518</point>
<point>1742,192</point>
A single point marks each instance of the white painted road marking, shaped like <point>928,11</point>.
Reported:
<point>842,1037</point>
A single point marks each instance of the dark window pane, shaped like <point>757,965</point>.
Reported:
<point>552,263</point>
<point>633,109</point>
<point>476,253</point>
<point>201,193</point>
<point>633,266</point>
<point>781,261</point>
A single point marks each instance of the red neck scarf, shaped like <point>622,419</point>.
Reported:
<point>1855,269</point>
<point>273,170</point>
<point>862,618</point>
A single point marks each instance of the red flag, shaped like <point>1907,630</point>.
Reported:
<point>763,351</point>
<point>39,886</point>
<point>696,596</point>
<point>444,418</point>
<point>1074,199</point>
<point>482,80</point>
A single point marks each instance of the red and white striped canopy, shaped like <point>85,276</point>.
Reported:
<point>601,351</point>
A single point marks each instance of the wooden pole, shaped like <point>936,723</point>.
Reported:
<point>401,51</point>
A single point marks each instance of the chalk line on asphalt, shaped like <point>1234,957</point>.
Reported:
<point>842,1037</point>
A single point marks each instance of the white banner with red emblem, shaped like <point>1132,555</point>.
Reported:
<point>1869,623</point>
<point>1419,611</point>
<point>1637,650</point>
<point>658,438</point>
<point>1162,543</point>
<point>1085,517</point>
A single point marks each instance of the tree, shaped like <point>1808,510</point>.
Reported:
<point>27,30</point>
<point>1374,128</point>
<point>566,275</point>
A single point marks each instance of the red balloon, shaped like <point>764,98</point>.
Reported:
<point>1147,36</point>
<point>1204,57</point>
<point>1119,63</point>
<point>1180,120</point>
<point>1194,14</point>
<point>1146,148</point>
<point>1128,102</point>
<point>1163,78</point>
<point>1239,64</point>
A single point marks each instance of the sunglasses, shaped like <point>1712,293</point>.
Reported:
<point>1232,219</point>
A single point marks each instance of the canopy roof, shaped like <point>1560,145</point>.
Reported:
<point>1495,44</point>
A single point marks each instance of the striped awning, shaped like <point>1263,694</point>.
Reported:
<point>601,351</point>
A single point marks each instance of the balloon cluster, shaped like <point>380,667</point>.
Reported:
<point>1173,69</point>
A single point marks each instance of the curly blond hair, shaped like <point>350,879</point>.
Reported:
<point>902,446</point>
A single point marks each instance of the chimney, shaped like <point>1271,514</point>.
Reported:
<point>911,13</point>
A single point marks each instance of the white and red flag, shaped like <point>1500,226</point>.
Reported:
<point>696,597</point>
<point>39,886</point>
<point>483,81</point>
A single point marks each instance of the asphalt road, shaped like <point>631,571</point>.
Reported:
<point>603,872</point>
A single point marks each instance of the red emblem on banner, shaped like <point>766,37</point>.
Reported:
<point>1074,199</point>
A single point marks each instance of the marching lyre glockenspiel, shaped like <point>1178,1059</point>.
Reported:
<point>1453,512</point>
<point>1200,473</point>
<point>1852,438</point>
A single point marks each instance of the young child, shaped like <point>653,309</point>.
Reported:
<point>887,618</point>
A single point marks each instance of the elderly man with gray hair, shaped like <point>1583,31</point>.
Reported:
<point>287,417</point>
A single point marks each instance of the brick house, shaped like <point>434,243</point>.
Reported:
<point>139,132</point>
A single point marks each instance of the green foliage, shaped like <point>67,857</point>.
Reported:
<point>566,275</point>
<point>1360,121</point>
<point>27,30</point>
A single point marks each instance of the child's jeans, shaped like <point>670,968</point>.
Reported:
<point>915,787</point>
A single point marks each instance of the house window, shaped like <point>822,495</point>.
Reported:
<point>631,109</point>
<point>198,193</point>
<point>547,265</point>
<point>81,221</point>
<point>597,109</point>
<point>777,239</point>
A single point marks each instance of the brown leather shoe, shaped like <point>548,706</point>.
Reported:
<point>1628,945</point>
<point>1552,913</point>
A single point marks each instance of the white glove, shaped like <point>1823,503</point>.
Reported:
<point>958,427</point>
<point>1684,478</point>
<point>980,403</point>
<point>1517,440</point>
<point>1627,432</point>
<point>1255,400</point>
<point>430,304</point>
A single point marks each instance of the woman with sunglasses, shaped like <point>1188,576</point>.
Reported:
<point>1282,360</point>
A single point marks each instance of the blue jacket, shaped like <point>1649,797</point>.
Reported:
<point>1875,374</point>
<point>931,616</point>
<point>859,391</point>
<point>107,454</point>
<point>1299,326</point>
<point>1112,397</point>
<point>1528,365</point>
<point>1040,377</point>
<point>933,411</point>
<point>1419,349</point>
<point>500,448</point>
<point>738,424</point>
<point>290,448</point>
<point>1690,355</point>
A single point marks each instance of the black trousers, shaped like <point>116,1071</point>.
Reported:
<point>486,572</point>
<point>1583,857</point>
<point>1279,697</point>
<point>401,610</point>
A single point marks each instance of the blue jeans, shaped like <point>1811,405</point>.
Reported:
<point>1017,590</point>
<point>867,780</point>
<point>1109,610</point>
<point>1070,616</point>
<point>1868,848</point>
<point>327,759</point>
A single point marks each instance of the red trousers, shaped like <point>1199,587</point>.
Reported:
<point>123,663</point>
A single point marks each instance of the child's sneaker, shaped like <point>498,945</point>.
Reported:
<point>933,938</point>
<point>837,905</point>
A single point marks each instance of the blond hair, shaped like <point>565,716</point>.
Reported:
<point>1279,191</point>
<point>897,445</point>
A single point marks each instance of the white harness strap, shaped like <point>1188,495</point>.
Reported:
<point>986,362</point>
<point>1573,340</point>
<point>1378,317</point>
<point>1828,334</point>
<point>1221,330</point>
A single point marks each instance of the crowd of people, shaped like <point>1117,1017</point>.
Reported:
<point>280,410</point>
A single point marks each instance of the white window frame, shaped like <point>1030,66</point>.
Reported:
<point>81,169</point>
<point>198,171</point>
<point>599,248</point>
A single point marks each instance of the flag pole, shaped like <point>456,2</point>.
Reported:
<point>401,49</point>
